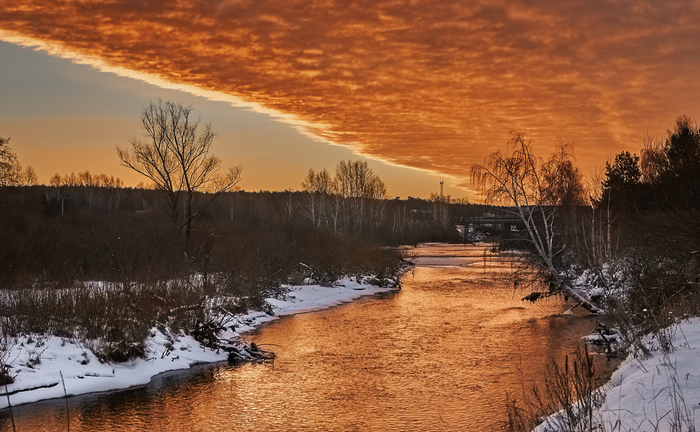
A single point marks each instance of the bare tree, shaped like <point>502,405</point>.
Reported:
<point>595,248</point>
<point>356,181</point>
<point>174,155</point>
<point>321,182</point>
<point>522,180</point>
<point>7,157</point>
<point>10,170</point>
<point>355,195</point>
<point>55,180</point>
<point>318,187</point>
<point>401,219</point>
<point>440,210</point>
<point>30,176</point>
<point>289,205</point>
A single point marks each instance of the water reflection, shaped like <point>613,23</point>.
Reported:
<point>438,355</point>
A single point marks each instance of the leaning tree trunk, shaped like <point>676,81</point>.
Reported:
<point>544,244</point>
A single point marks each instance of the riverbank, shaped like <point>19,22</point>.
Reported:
<point>41,365</point>
<point>655,393</point>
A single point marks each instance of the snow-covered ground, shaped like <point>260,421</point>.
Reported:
<point>37,362</point>
<point>659,393</point>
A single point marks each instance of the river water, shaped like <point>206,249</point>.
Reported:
<point>439,355</point>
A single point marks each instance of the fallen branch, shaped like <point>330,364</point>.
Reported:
<point>29,389</point>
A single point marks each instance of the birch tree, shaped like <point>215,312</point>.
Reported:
<point>520,179</point>
<point>318,187</point>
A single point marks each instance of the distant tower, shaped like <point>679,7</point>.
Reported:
<point>442,182</point>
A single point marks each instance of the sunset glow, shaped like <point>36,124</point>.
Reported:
<point>429,85</point>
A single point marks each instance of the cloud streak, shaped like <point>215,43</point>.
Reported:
<point>429,85</point>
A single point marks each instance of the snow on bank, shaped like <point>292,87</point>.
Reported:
<point>660,393</point>
<point>37,362</point>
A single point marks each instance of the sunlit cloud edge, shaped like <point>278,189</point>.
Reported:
<point>56,49</point>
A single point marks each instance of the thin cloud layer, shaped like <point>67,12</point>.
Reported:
<point>434,85</point>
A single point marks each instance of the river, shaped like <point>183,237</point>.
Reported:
<point>438,355</point>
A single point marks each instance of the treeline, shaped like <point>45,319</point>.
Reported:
<point>60,236</point>
<point>354,202</point>
<point>653,201</point>
<point>86,178</point>
<point>648,213</point>
<point>648,204</point>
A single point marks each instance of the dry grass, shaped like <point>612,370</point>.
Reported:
<point>117,316</point>
<point>571,389</point>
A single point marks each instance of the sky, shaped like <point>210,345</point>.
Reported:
<point>420,89</point>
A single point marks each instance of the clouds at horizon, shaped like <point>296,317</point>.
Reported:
<point>428,85</point>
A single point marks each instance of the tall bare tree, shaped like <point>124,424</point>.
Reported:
<point>355,179</point>
<point>9,172</point>
<point>174,153</point>
<point>356,182</point>
<point>522,180</point>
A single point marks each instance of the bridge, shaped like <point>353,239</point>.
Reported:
<point>505,221</point>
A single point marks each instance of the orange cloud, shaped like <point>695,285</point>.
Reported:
<point>434,85</point>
